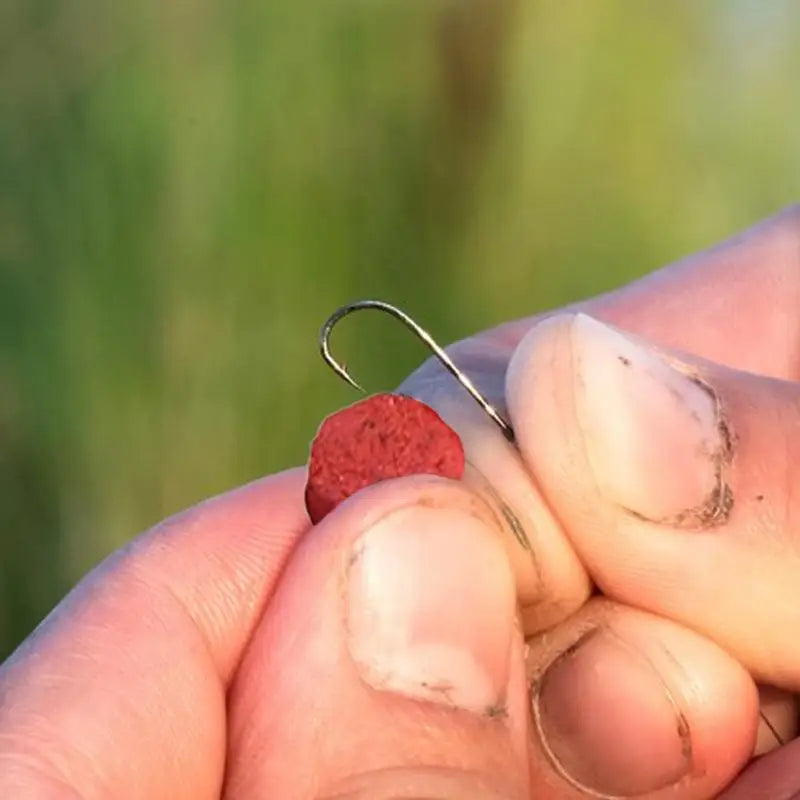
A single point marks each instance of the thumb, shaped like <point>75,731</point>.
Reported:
<point>390,662</point>
<point>674,479</point>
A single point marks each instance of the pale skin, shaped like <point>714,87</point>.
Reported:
<point>587,616</point>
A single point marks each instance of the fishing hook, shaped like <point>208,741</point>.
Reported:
<point>341,370</point>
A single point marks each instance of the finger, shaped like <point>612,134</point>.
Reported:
<point>778,719</point>
<point>388,663</point>
<point>674,480</point>
<point>627,704</point>
<point>735,303</point>
<point>773,777</point>
<point>121,692</point>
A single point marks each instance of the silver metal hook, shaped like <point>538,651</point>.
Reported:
<point>341,370</point>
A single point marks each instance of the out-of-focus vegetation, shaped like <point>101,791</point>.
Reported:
<point>188,188</point>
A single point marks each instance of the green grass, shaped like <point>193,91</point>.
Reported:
<point>188,189</point>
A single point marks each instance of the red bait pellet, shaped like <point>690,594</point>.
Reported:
<point>381,437</point>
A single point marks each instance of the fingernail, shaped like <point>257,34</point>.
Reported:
<point>430,608</point>
<point>655,438</point>
<point>608,722</point>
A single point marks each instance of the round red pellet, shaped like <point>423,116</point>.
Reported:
<point>384,436</point>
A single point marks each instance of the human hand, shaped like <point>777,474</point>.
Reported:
<point>674,488</point>
<point>383,658</point>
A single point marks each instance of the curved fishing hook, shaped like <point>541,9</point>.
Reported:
<point>341,370</point>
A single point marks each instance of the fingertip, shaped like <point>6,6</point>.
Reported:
<point>540,393</point>
<point>629,704</point>
<point>673,480</point>
<point>404,601</point>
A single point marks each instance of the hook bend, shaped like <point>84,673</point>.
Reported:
<point>380,305</point>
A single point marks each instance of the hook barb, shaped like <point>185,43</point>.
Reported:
<point>341,370</point>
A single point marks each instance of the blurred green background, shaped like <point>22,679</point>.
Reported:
<point>188,188</point>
